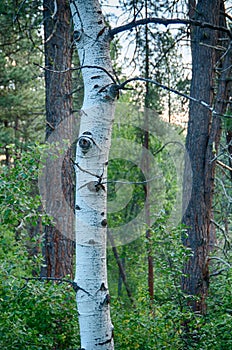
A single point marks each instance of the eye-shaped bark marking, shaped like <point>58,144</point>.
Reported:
<point>85,143</point>
<point>77,35</point>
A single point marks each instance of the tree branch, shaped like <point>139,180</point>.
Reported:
<point>166,22</point>
<point>85,170</point>
<point>221,260</point>
<point>77,68</point>
<point>227,241</point>
<point>216,273</point>
<point>223,165</point>
<point>224,190</point>
<point>72,283</point>
<point>202,103</point>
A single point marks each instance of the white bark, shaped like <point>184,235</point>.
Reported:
<point>92,40</point>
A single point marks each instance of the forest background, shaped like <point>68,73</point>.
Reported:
<point>149,308</point>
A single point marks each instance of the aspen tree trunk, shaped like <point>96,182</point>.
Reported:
<point>91,36</point>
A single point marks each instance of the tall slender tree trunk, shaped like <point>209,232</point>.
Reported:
<point>122,273</point>
<point>147,166</point>
<point>7,153</point>
<point>58,249</point>
<point>92,39</point>
<point>204,130</point>
<point>229,144</point>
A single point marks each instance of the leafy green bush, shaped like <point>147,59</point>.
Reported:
<point>34,314</point>
<point>37,315</point>
<point>160,324</point>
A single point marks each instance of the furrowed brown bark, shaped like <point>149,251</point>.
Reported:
<point>204,131</point>
<point>198,214</point>
<point>58,249</point>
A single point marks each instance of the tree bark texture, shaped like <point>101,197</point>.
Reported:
<point>204,130</point>
<point>58,249</point>
<point>91,36</point>
<point>146,166</point>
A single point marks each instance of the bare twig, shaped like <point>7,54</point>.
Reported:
<point>221,260</point>
<point>223,187</point>
<point>223,165</point>
<point>54,279</point>
<point>131,182</point>
<point>168,143</point>
<point>19,9</point>
<point>202,103</point>
<point>166,22</point>
<point>218,226</point>
<point>84,170</point>
<point>52,33</point>
<point>55,9</point>
<point>219,272</point>
<point>77,68</point>
<point>227,241</point>
<point>50,125</point>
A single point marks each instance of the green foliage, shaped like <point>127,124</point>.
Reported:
<point>219,319</point>
<point>34,315</point>
<point>127,175</point>
<point>213,331</point>
<point>160,324</point>
<point>153,324</point>
<point>38,315</point>
<point>157,54</point>
<point>21,86</point>
<point>146,329</point>
<point>123,169</point>
<point>19,194</point>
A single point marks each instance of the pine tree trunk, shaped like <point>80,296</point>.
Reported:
<point>58,249</point>
<point>97,113</point>
<point>203,135</point>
